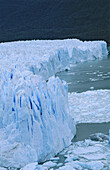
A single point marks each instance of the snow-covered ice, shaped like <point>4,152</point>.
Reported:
<point>34,119</point>
<point>1,168</point>
<point>90,106</point>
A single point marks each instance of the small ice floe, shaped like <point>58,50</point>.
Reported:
<point>94,165</point>
<point>36,166</point>
<point>91,88</point>
<point>67,167</point>
<point>99,75</point>
<point>59,164</point>
<point>99,137</point>
<point>93,156</point>
<point>1,168</point>
<point>95,73</point>
<point>54,159</point>
<point>31,166</point>
<point>49,164</point>
<point>91,79</point>
<point>69,83</point>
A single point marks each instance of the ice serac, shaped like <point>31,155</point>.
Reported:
<point>89,51</point>
<point>34,120</point>
<point>35,124</point>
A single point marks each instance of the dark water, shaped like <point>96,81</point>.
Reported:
<point>89,75</point>
<point>84,130</point>
<point>54,19</point>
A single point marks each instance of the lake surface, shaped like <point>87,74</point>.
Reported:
<point>40,19</point>
<point>91,75</point>
<point>84,130</point>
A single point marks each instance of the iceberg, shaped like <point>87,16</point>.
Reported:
<point>35,123</point>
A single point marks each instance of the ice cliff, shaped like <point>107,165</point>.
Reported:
<point>46,57</point>
<point>34,119</point>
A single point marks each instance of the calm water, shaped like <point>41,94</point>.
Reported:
<point>89,75</point>
<point>57,19</point>
<point>84,130</point>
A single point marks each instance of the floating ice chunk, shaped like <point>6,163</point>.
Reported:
<point>49,164</point>
<point>89,149</point>
<point>67,167</point>
<point>94,156</point>
<point>54,159</point>
<point>99,137</point>
<point>1,168</point>
<point>31,166</point>
<point>59,164</point>
<point>91,88</point>
<point>94,165</point>
<point>69,159</point>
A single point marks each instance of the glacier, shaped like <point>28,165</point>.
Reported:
<point>47,57</point>
<point>35,123</point>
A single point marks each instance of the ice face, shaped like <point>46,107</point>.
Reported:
<point>47,57</point>
<point>35,124</point>
<point>34,119</point>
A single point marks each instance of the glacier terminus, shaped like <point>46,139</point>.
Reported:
<point>35,123</point>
